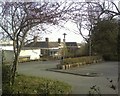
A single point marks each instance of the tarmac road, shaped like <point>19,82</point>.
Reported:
<point>80,84</point>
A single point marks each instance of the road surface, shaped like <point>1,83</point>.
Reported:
<point>80,84</point>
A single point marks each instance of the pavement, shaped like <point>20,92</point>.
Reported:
<point>93,70</point>
<point>77,71</point>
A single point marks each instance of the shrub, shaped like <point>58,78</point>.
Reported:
<point>36,85</point>
<point>6,70</point>
<point>53,87</point>
<point>86,59</point>
<point>6,88</point>
<point>111,57</point>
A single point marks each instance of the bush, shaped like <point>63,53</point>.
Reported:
<point>36,85</point>
<point>6,88</point>
<point>86,59</point>
<point>111,57</point>
<point>6,70</point>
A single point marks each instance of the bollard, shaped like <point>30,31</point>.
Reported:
<point>69,66</point>
<point>63,66</point>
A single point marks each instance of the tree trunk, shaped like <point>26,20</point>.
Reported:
<point>14,68</point>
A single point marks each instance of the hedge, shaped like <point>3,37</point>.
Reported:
<point>76,62</point>
<point>86,59</point>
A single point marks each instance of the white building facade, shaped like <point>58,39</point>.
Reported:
<point>33,54</point>
<point>7,54</point>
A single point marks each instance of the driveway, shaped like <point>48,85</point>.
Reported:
<point>80,84</point>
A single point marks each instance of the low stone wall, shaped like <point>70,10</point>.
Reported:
<point>68,66</point>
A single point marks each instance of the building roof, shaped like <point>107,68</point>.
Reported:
<point>53,44</point>
<point>37,44</point>
<point>43,44</point>
<point>71,44</point>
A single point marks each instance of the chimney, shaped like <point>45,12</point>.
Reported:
<point>35,39</point>
<point>47,40</point>
<point>59,40</point>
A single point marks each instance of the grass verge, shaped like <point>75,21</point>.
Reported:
<point>36,85</point>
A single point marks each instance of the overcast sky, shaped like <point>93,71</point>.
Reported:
<point>71,33</point>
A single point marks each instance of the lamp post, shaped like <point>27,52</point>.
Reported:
<point>90,51</point>
<point>63,51</point>
<point>64,45</point>
<point>64,37</point>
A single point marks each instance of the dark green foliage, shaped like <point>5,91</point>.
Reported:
<point>6,70</point>
<point>6,74</point>
<point>118,40</point>
<point>105,39</point>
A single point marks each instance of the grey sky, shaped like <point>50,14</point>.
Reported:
<point>58,32</point>
<point>71,36</point>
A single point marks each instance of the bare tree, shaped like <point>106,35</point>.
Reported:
<point>18,18</point>
<point>85,19</point>
<point>90,13</point>
<point>111,10</point>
